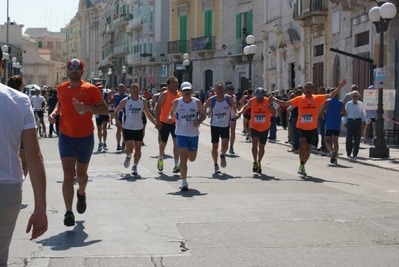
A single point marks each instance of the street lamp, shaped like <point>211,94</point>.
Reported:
<point>110,77</point>
<point>5,58</point>
<point>124,74</point>
<point>381,15</point>
<point>186,63</point>
<point>14,64</point>
<point>250,51</point>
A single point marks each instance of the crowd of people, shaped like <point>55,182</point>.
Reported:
<point>175,111</point>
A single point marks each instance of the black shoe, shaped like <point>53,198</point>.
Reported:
<point>69,219</point>
<point>81,204</point>
<point>184,188</point>
<point>50,135</point>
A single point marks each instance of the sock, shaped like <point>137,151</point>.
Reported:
<point>129,156</point>
<point>176,162</point>
<point>135,164</point>
<point>184,182</point>
<point>160,157</point>
<point>302,163</point>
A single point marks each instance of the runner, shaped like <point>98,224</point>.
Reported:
<point>121,94</point>
<point>220,106</point>
<point>259,125</point>
<point>189,116</point>
<point>38,104</point>
<point>165,125</point>
<point>233,122</point>
<point>154,101</point>
<point>308,108</point>
<point>133,128</point>
<point>101,122</point>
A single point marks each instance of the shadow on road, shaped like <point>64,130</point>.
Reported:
<point>128,177</point>
<point>167,178</point>
<point>189,193</point>
<point>224,176</point>
<point>265,177</point>
<point>69,239</point>
<point>319,180</point>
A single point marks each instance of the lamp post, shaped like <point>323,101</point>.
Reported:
<point>100,74</point>
<point>5,58</point>
<point>186,64</point>
<point>14,64</point>
<point>381,15</point>
<point>110,77</point>
<point>250,51</point>
<point>124,74</point>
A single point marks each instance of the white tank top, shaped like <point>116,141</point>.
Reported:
<point>133,111</point>
<point>186,113</point>
<point>221,113</point>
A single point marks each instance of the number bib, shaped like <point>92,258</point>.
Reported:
<point>220,116</point>
<point>186,120</point>
<point>307,118</point>
<point>134,112</point>
<point>259,118</point>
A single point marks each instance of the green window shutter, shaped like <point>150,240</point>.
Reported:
<point>238,34</point>
<point>39,44</point>
<point>183,34</point>
<point>249,22</point>
<point>208,23</point>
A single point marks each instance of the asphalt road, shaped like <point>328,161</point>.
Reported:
<point>345,215</point>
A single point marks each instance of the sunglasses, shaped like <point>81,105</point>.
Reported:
<point>71,67</point>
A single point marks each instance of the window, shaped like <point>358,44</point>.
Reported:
<point>208,23</point>
<point>40,44</point>
<point>318,50</point>
<point>49,44</point>
<point>362,39</point>
<point>243,29</point>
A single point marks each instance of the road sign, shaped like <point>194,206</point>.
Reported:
<point>150,80</point>
<point>370,99</point>
<point>379,78</point>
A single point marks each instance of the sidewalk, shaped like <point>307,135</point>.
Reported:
<point>391,163</point>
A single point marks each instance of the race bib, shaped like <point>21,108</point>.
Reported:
<point>186,120</point>
<point>259,118</point>
<point>134,111</point>
<point>307,118</point>
<point>220,116</point>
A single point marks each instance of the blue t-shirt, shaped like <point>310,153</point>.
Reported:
<point>333,115</point>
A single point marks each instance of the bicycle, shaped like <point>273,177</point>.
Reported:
<point>39,128</point>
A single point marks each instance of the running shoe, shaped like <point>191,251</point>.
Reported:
<point>333,157</point>
<point>301,170</point>
<point>126,163</point>
<point>105,146</point>
<point>223,162</point>
<point>217,168</point>
<point>231,151</point>
<point>259,170</point>
<point>100,147</point>
<point>81,204</point>
<point>118,147</point>
<point>160,165</point>
<point>184,185</point>
<point>134,170</point>
<point>69,219</point>
<point>176,168</point>
<point>255,167</point>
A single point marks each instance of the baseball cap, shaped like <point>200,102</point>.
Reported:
<point>186,86</point>
<point>259,92</point>
<point>76,62</point>
<point>99,84</point>
<point>163,85</point>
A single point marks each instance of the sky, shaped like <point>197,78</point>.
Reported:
<point>50,14</point>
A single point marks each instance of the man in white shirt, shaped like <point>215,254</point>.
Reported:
<point>354,121</point>
<point>20,127</point>
<point>38,104</point>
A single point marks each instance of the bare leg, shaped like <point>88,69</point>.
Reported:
<point>215,147</point>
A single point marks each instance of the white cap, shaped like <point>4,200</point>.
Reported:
<point>186,86</point>
<point>259,92</point>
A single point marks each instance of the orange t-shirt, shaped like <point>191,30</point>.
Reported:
<point>308,110</point>
<point>260,115</point>
<point>167,106</point>
<point>73,124</point>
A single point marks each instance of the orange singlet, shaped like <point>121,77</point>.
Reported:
<point>260,115</point>
<point>308,109</point>
<point>167,106</point>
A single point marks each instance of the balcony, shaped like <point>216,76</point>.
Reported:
<point>135,24</point>
<point>121,50</point>
<point>205,43</point>
<point>311,12</point>
<point>133,59</point>
<point>148,28</point>
<point>123,20</point>
<point>178,47</point>
<point>348,5</point>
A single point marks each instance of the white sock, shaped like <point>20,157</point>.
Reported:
<point>184,182</point>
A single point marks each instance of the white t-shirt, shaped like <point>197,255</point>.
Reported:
<point>133,112</point>
<point>19,116</point>
<point>37,101</point>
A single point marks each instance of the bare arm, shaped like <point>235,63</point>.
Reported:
<point>172,112</point>
<point>38,219</point>
<point>272,110</point>
<point>343,110</point>
<point>147,112</point>
<point>282,103</point>
<point>54,113</point>
<point>245,107</point>
<point>121,105</point>
<point>98,108</point>
<point>161,101</point>
<point>341,84</point>
<point>323,109</point>
<point>208,103</point>
<point>202,115</point>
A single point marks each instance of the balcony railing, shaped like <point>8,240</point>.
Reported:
<point>135,23</point>
<point>133,58</point>
<point>308,8</point>
<point>178,47</point>
<point>121,49</point>
<point>148,27</point>
<point>203,43</point>
<point>109,28</point>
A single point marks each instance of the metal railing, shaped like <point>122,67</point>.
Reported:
<point>177,47</point>
<point>203,43</point>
